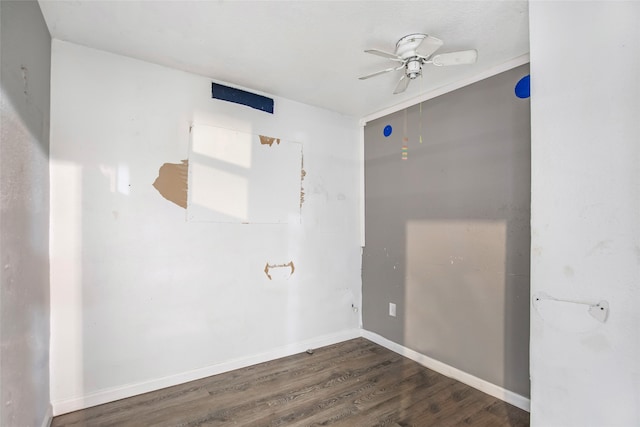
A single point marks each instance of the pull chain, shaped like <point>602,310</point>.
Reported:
<point>405,138</point>
<point>420,120</point>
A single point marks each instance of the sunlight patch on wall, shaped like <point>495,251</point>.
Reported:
<point>66,276</point>
<point>225,145</point>
<point>455,283</point>
<point>235,177</point>
<point>118,178</point>
<point>216,191</point>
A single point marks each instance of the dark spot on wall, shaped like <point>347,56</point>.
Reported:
<point>25,80</point>
<point>568,271</point>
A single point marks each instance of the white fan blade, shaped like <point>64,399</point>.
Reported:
<point>428,46</point>
<point>402,85</point>
<point>388,70</point>
<point>455,58</point>
<point>384,54</point>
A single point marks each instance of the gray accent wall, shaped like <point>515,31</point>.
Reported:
<point>25,56</point>
<point>448,229</point>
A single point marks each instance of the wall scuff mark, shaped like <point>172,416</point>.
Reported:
<point>172,182</point>
<point>268,140</point>
<point>268,267</point>
<point>25,80</point>
<point>303,173</point>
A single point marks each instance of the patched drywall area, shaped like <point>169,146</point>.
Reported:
<point>140,291</point>
<point>447,229</point>
<point>24,215</point>
<point>585,210</point>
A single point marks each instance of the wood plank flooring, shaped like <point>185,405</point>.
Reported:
<point>353,383</point>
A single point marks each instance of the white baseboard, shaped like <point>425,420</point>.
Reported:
<point>444,369</point>
<point>129,390</point>
<point>116,393</point>
<point>48,416</point>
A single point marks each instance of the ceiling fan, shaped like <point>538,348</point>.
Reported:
<point>411,59</point>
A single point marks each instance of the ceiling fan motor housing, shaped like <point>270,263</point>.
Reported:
<point>406,46</point>
<point>406,49</point>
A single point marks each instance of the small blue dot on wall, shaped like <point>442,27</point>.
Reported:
<point>523,88</point>
<point>387,130</point>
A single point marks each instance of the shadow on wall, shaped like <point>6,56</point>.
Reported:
<point>24,218</point>
<point>447,230</point>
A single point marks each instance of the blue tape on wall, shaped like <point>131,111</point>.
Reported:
<point>226,93</point>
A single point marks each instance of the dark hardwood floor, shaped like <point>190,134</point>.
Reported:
<point>354,383</point>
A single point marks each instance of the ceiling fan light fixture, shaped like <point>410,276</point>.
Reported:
<point>413,68</point>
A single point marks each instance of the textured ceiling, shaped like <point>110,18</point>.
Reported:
<point>308,51</point>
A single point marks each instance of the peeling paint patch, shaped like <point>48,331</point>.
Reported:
<point>268,140</point>
<point>268,268</point>
<point>172,182</point>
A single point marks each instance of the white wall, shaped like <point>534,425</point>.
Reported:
<point>585,69</point>
<point>141,298</point>
<point>24,215</point>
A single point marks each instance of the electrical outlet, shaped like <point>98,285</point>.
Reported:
<point>392,309</point>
